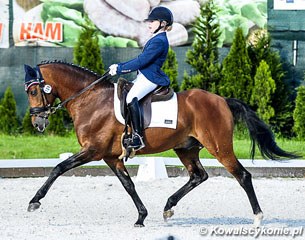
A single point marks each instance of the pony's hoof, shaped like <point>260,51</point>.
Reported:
<point>33,206</point>
<point>168,214</point>
<point>139,225</point>
<point>258,219</point>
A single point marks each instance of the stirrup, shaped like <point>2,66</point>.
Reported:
<point>139,142</point>
<point>126,153</point>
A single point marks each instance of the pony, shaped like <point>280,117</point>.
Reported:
<point>205,120</point>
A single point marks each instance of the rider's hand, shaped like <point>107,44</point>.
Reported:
<point>113,69</point>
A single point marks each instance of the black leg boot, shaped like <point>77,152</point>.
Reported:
<point>136,125</point>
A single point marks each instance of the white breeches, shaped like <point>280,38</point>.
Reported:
<point>141,87</point>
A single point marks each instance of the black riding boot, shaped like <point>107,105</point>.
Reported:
<point>136,125</point>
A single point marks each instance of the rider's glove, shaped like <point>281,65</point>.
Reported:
<point>113,69</point>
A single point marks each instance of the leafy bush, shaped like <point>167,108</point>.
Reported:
<point>190,82</point>
<point>27,127</point>
<point>299,114</point>
<point>87,52</point>
<point>58,122</point>
<point>259,50</point>
<point>9,123</point>
<point>170,68</point>
<point>236,70</point>
<point>264,87</point>
<point>203,56</point>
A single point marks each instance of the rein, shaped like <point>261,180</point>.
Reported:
<point>61,104</point>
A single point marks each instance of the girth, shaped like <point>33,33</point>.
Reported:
<point>160,94</point>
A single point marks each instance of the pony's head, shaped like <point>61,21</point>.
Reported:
<point>38,95</point>
<point>56,79</point>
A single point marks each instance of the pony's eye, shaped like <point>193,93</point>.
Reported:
<point>33,92</point>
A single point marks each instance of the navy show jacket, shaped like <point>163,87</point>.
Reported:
<point>150,61</point>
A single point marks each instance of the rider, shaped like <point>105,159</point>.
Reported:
<point>148,66</point>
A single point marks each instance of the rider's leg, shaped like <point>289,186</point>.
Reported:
<point>137,125</point>
<point>142,86</point>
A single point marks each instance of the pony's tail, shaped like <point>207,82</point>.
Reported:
<point>260,133</point>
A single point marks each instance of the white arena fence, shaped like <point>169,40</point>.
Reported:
<point>150,168</point>
<point>52,162</point>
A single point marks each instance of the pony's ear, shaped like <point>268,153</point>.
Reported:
<point>30,73</point>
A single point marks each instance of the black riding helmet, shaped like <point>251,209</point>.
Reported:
<point>161,14</point>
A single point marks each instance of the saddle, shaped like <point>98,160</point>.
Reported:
<point>160,94</point>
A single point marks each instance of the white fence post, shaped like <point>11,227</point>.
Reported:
<point>152,168</point>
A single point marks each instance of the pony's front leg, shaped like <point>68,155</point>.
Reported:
<point>72,162</point>
<point>120,171</point>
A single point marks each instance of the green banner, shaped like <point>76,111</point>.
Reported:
<point>120,23</point>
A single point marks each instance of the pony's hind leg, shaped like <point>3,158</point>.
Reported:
<point>245,180</point>
<point>117,166</point>
<point>214,130</point>
<point>190,159</point>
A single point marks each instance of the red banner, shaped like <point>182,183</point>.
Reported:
<point>1,31</point>
<point>4,23</point>
<point>50,31</point>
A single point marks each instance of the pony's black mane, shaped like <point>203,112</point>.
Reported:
<point>106,81</point>
<point>70,64</point>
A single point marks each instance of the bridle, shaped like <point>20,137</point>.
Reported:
<point>47,109</point>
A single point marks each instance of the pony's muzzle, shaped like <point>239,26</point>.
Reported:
<point>40,123</point>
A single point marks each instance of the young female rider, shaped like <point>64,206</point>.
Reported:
<point>148,66</point>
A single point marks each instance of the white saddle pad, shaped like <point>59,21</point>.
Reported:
<point>164,113</point>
